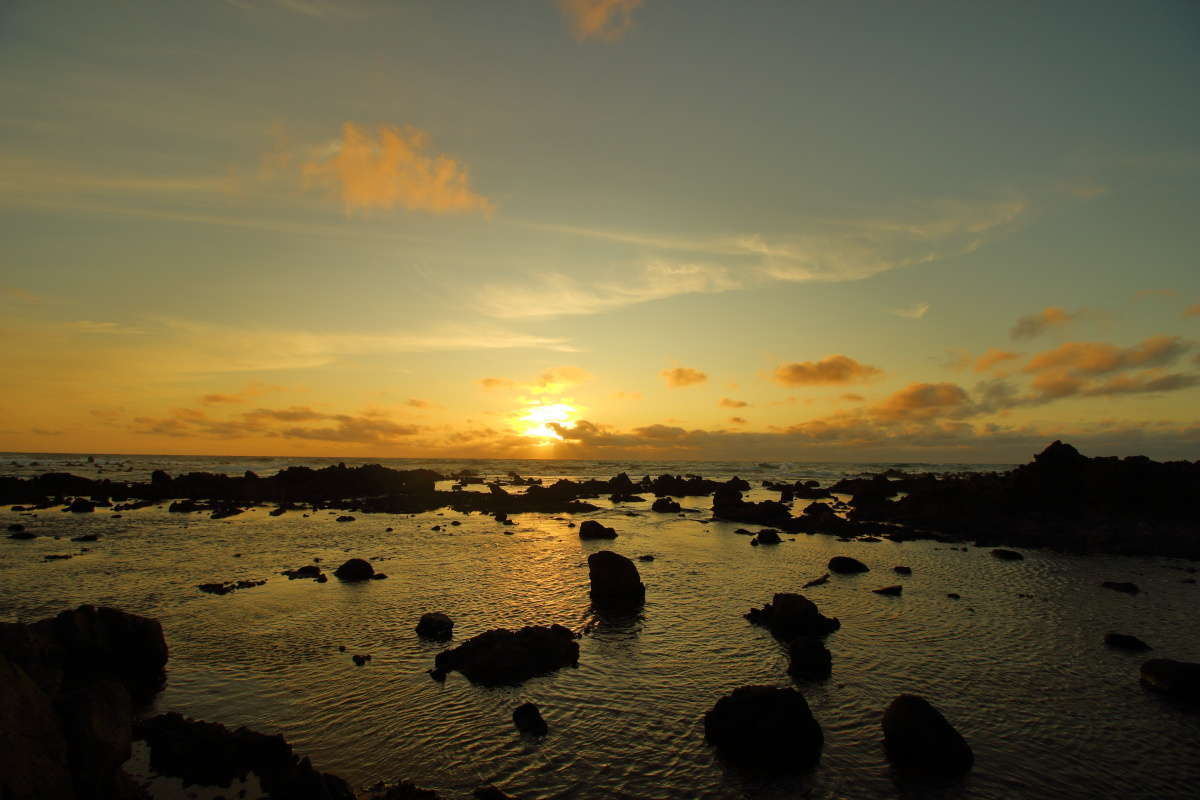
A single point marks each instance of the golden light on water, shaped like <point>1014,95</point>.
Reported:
<point>538,419</point>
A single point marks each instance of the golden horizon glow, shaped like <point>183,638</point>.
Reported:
<point>538,420</point>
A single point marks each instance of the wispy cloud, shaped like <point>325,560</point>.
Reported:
<point>1051,318</point>
<point>915,311</point>
<point>607,20</point>
<point>391,169</point>
<point>993,357</point>
<point>1192,311</point>
<point>727,402</point>
<point>679,377</point>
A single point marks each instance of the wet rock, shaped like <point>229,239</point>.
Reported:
<point>278,512</point>
<point>646,558</point>
<point>307,571</point>
<point>665,505</point>
<point>788,616</point>
<point>1121,586</point>
<point>360,660</point>
<point>890,591</point>
<point>809,659</point>
<point>767,536</point>
<point>528,719</point>
<point>490,793</point>
<point>228,586</point>
<point>591,529</point>
<point>616,585</point>
<point>345,518</point>
<point>81,506</point>
<point>1007,555</point>
<point>953,595</point>
<point>56,557</point>
<point>435,625</point>
<point>16,527</point>
<point>503,657</point>
<point>1124,641</point>
<point>22,535</point>
<point>1177,679</point>
<point>209,754</point>
<point>183,507</point>
<point>765,727</point>
<point>918,738</point>
<point>821,581</point>
<point>355,569</point>
<point>845,565</point>
<point>87,537</point>
<point>33,761</point>
<point>902,570</point>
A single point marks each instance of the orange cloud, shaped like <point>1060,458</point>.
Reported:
<point>393,171</point>
<point>850,397</point>
<point>495,383</point>
<point>1097,358</point>
<point>607,20</point>
<point>1192,311</point>
<point>728,403</point>
<point>683,376</point>
<point>829,370</point>
<point>738,420</point>
<point>1032,325</point>
<point>993,357</point>
<point>923,401</point>
<point>251,391</point>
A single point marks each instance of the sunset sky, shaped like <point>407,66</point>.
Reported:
<point>687,229</point>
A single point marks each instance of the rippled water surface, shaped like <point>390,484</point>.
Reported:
<point>1049,710</point>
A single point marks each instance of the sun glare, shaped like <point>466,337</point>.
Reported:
<point>538,419</point>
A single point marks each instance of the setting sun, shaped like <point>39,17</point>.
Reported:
<point>539,418</point>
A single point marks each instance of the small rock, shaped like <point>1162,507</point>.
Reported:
<point>917,737</point>
<point>345,518</point>
<point>360,660</point>
<point>845,565</point>
<point>1124,641</point>
<point>528,719</point>
<point>1007,555</point>
<point>591,529</point>
<point>1121,586</point>
<point>890,591</point>
<point>435,625</point>
<point>902,570</point>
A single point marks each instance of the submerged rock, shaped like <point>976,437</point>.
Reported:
<point>824,579</point>
<point>228,586</point>
<point>616,585</point>
<point>1007,555</point>
<point>528,719</point>
<point>845,565</point>
<point>788,616</point>
<point>917,737</point>
<point>591,529</point>
<point>1124,641</point>
<point>435,625</point>
<point>891,591</point>
<point>356,569</point>
<point>1176,679</point>
<point>1121,586</point>
<point>765,727</point>
<point>902,570</point>
<point>503,657</point>
<point>767,536</point>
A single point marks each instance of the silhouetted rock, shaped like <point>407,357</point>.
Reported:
<point>1124,641</point>
<point>665,505</point>
<point>87,537</point>
<point>1007,555</point>
<point>355,569</point>
<point>767,536</point>
<point>22,535</point>
<point>307,571</point>
<point>765,727</point>
<point>435,625</point>
<point>591,529</point>
<point>81,506</point>
<point>345,518</point>
<point>1177,679</point>
<point>891,591</point>
<point>528,719</point>
<point>506,658</point>
<point>809,659</point>
<point>817,581</point>
<point>209,754</point>
<point>228,586</point>
<point>404,790</point>
<point>902,570</point>
<point>918,738</point>
<point>845,565</point>
<point>790,615</point>
<point>360,660</point>
<point>491,792</point>
<point>616,585</point>
<point>16,527</point>
<point>1121,586</point>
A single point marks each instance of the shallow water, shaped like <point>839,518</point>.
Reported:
<point>1049,710</point>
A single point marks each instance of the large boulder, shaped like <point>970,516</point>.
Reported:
<point>845,565</point>
<point>1177,679</point>
<point>788,616</point>
<point>506,658</point>
<point>33,749</point>
<point>616,585</point>
<point>765,727</point>
<point>919,739</point>
<point>591,529</point>
<point>355,570</point>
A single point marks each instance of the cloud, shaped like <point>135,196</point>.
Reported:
<point>738,420</point>
<point>356,430</point>
<point>835,369</point>
<point>993,357</point>
<point>557,379</point>
<point>554,294</point>
<point>850,397</point>
<point>309,8</point>
<point>1032,325</point>
<point>1155,293</point>
<point>728,403</point>
<point>414,402</point>
<point>607,20</point>
<point>391,170</point>
<point>88,326</point>
<point>678,377</point>
<point>915,311</point>
<point>251,391</point>
<point>495,383</point>
<point>1192,311</point>
<point>19,294</point>
<point>1097,358</point>
<point>956,359</point>
<point>365,428</point>
<point>923,401</point>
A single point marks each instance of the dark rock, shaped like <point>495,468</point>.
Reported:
<point>403,791</point>
<point>503,657</point>
<point>902,570</point>
<point>345,518</point>
<point>22,535</point>
<point>1007,555</point>
<point>953,595</point>
<point>355,569</point>
<point>765,727</point>
<point>1176,679</point>
<point>790,615</point>
<point>490,793</point>
<point>528,719</point>
<point>646,558</point>
<point>1121,586</point>
<point>81,506</point>
<point>1124,641</point>
<point>87,537</point>
<point>33,760</point>
<point>891,591</point>
<point>845,565</point>
<point>918,738</point>
<point>16,527</point>
<point>360,660</point>
<point>767,536</point>
<point>435,625</point>
<point>809,659</point>
<point>817,581</point>
<point>665,505</point>
<point>591,529</point>
<point>616,585</point>
<point>307,571</point>
<point>228,586</point>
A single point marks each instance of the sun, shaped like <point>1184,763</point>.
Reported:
<point>537,421</point>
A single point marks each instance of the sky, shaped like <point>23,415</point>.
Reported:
<point>668,229</point>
